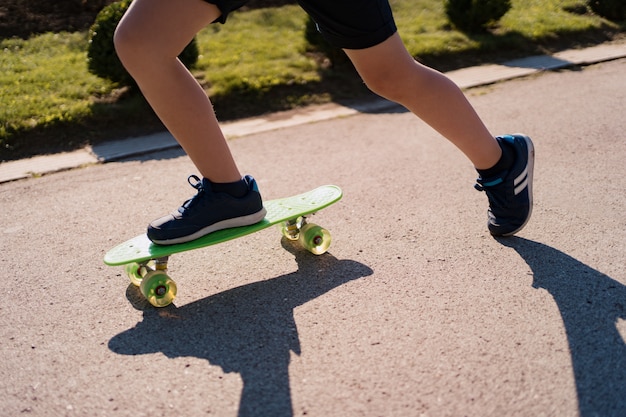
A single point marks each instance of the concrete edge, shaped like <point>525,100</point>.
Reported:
<point>466,78</point>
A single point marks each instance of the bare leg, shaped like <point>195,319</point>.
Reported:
<point>148,40</point>
<point>390,71</point>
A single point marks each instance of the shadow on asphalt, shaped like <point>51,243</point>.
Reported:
<point>250,330</point>
<point>591,303</point>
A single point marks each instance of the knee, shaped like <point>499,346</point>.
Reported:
<point>122,41</point>
<point>387,86</point>
<point>128,46</point>
<point>380,85</point>
<point>404,84</point>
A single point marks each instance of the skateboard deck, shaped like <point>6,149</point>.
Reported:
<point>146,262</point>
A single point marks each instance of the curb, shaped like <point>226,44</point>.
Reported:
<point>465,78</point>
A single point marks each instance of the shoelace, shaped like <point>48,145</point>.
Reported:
<point>198,185</point>
<point>496,200</point>
<point>198,182</point>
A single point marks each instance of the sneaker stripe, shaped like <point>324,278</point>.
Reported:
<point>520,187</point>
<point>521,177</point>
<point>521,181</point>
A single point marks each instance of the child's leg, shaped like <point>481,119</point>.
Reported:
<point>390,71</point>
<point>506,177</point>
<point>148,40</point>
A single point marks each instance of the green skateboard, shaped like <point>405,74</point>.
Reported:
<point>145,263</point>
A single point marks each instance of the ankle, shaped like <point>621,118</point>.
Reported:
<point>236,189</point>
<point>505,162</point>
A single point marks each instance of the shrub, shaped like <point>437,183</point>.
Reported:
<point>611,9</point>
<point>475,15</point>
<point>101,56</point>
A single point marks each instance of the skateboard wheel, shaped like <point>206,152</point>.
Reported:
<point>134,273</point>
<point>314,238</point>
<point>158,288</point>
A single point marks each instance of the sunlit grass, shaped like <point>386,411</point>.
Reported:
<point>426,32</point>
<point>539,19</point>
<point>44,81</point>
<point>256,50</point>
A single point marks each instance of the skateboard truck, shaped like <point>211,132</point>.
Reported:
<point>291,228</point>
<point>152,279</point>
<point>312,237</point>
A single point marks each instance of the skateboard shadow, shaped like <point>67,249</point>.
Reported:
<point>590,303</point>
<point>250,330</point>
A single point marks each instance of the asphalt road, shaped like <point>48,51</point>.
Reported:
<point>415,310</point>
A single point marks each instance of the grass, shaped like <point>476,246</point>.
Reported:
<point>45,82</point>
<point>531,26</point>
<point>265,49</point>
<point>259,61</point>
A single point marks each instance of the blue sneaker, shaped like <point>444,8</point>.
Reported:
<point>510,193</point>
<point>207,212</point>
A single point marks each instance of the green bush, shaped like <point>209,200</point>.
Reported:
<point>611,9</point>
<point>101,56</point>
<point>475,15</point>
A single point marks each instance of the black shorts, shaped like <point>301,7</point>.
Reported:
<point>349,24</point>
